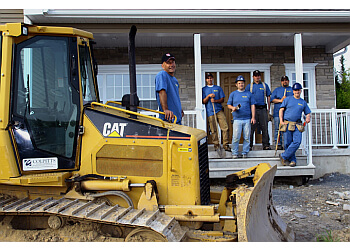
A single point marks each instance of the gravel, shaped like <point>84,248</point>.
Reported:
<point>316,209</point>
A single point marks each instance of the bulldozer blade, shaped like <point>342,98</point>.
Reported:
<point>257,218</point>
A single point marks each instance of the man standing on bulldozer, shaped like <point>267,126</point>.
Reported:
<point>167,91</point>
<point>212,97</point>
<point>290,122</point>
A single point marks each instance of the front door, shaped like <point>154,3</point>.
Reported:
<point>227,80</point>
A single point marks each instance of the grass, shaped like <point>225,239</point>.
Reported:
<point>326,237</point>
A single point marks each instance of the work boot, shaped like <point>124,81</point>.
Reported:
<point>267,148</point>
<point>292,164</point>
<point>283,161</point>
<point>227,148</point>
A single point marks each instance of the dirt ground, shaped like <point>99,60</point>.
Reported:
<point>318,209</point>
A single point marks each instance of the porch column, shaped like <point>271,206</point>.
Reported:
<point>298,57</point>
<point>198,82</point>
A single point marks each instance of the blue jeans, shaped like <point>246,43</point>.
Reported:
<point>238,127</point>
<point>276,121</point>
<point>292,141</point>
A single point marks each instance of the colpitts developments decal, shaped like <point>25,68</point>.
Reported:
<point>119,127</point>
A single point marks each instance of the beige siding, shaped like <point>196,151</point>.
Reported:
<point>11,16</point>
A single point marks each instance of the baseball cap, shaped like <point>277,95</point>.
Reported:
<point>256,73</point>
<point>284,78</point>
<point>208,74</point>
<point>167,56</point>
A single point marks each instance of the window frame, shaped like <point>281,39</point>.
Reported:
<point>309,68</point>
<point>104,70</point>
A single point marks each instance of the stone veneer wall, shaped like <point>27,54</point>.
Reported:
<point>221,55</point>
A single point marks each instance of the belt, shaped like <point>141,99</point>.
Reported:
<point>260,106</point>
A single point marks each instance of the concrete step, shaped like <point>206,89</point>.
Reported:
<point>221,167</point>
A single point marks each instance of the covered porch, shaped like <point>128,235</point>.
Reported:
<point>324,149</point>
<point>297,43</point>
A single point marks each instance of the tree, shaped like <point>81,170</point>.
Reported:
<point>342,86</point>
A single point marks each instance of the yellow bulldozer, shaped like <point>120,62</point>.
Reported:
<point>65,156</point>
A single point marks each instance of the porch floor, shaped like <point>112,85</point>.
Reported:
<point>221,167</point>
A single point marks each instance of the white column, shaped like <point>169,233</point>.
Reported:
<point>198,82</point>
<point>298,55</point>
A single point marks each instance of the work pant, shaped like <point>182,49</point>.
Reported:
<point>276,121</point>
<point>221,120</point>
<point>261,120</point>
<point>292,141</point>
<point>239,126</point>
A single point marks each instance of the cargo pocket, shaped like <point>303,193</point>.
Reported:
<point>300,127</point>
<point>283,127</point>
<point>291,126</point>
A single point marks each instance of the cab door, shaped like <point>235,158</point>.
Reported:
<point>45,103</point>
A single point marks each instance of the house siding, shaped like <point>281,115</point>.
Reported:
<point>11,16</point>
<point>325,93</point>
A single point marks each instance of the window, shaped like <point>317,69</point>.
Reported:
<point>43,95</point>
<point>309,81</point>
<point>114,83</point>
<point>87,80</point>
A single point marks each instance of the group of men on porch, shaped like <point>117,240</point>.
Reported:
<point>250,108</point>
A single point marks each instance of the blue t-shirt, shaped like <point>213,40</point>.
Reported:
<point>278,93</point>
<point>294,108</point>
<point>246,99</point>
<point>219,93</point>
<point>171,87</point>
<point>258,92</point>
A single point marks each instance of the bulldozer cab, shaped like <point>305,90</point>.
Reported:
<point>52,80</point>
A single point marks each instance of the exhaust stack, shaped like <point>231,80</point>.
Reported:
<point>132,71</point>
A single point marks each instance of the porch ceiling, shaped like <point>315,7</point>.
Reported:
<point>175,28</point>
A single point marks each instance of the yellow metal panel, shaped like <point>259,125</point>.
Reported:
<point>8,165</point>
<point>15,29</point>
<point>5,82</point>
<point>45,179</point>
<point>183,172</point>
<point>190,210</point>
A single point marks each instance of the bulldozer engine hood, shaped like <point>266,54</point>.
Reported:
<point>113,126</point>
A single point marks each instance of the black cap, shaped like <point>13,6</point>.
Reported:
<point>284,78</point>
<point>207,75</point>
<point>167,56</point>
<point>256,73</point>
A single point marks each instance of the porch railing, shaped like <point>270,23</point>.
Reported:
<point>330,127</point>
<point>189,119</point>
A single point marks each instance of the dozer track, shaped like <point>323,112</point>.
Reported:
<point>102,213</point>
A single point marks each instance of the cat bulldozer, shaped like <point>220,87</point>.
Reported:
<point>66,157</point>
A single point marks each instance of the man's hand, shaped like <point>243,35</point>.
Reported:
<point>284,97</point>
<point>282,122</point>
<point>308,118</point>
<point>252,121</point>
<point>169,115</point>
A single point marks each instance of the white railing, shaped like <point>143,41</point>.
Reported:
<point>189,119</point>
<point>330,127</point>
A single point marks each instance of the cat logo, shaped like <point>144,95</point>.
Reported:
<point>114,130</point>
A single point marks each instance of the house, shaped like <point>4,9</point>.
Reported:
<point>227,43</point>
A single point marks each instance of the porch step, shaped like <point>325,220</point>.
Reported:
<point>221,167</point>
